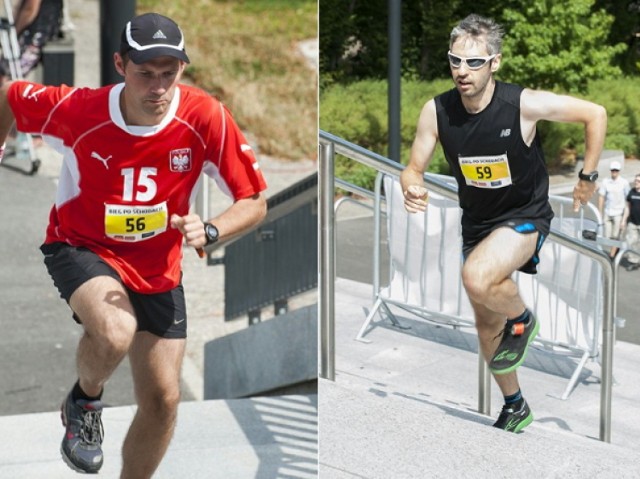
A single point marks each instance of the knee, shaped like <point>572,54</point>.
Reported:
<point>475,283</point>
<point>112,336</point>
<point>160,403</point>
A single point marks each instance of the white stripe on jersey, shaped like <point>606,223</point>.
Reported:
<point>224,132</point>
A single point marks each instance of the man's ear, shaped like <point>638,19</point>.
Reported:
<point>118,62</point>
<point>495,63</point>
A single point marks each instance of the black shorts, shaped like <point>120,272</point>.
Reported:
<point>524,226</point>
<point>162,314</point>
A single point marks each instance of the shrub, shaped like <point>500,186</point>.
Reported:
<point>357,112</point>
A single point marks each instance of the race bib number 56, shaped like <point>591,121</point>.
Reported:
<point>135,223</point>
<point>485,171</point>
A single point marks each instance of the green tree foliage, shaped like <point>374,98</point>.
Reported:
<point>625,29</point>
<point>357,112</point>
<point>589,34</point>
<point>354,38</point>
<point>578,46</point>
<point>558,45</point>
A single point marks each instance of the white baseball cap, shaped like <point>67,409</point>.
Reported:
<point>615,165</point>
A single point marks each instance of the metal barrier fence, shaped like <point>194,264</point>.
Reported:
<point>329,145</point>
<point>425,274</point>
<point>278,259</point>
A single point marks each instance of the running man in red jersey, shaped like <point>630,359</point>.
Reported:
<point>132,157</point>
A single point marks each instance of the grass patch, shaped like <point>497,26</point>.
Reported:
<point>246,53</point>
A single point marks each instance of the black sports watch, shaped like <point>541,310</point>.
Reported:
<point>591,177</point>
<point>211,233</point>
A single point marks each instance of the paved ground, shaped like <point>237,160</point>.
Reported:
<point>259,438</point>
<point>405,406</point>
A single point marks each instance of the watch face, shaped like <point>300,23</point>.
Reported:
<point>211,232</point>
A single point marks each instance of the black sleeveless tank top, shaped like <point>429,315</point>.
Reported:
<point>499,177</point>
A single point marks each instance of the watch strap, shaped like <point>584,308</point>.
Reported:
<point>592,177</point>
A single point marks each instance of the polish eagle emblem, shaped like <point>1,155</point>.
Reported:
<point>180,160</point>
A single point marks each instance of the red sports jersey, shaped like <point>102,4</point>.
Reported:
<point>120,184</point>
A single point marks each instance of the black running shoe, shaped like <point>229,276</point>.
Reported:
<point>512,420</point>
<point>81,444</point>
<point>513,346</point>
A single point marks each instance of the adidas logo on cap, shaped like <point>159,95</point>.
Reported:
<point>151,35</point>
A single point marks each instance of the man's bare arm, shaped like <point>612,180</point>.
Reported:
<point>542,105</point>
<point>242,215</point>
<point>424,144</point>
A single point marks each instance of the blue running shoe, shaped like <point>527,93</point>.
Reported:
<point>81,445</point>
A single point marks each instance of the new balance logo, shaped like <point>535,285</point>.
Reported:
<point>506,132</point>
<point>99,158</point>
<point>159,34</point>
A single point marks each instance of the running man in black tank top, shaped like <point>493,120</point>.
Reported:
<point>488,132</point>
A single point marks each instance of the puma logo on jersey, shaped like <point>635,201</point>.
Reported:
<point>506,132</point>
<point>32,95</point>
<point>99,158</point>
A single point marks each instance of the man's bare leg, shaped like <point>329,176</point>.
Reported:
<point>156,364</point>
<point>109,323</point>
<point>495,298</point>
<point>487,323</point>
<point>487,271</point>
<point>103,306</point>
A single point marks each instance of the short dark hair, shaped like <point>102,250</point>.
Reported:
<point>476,26</point>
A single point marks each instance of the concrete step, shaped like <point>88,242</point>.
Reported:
<point>262,437</point>
<point>385,433</point>
<point>404,406</point>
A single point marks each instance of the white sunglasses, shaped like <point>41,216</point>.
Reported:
<point>473,63</point>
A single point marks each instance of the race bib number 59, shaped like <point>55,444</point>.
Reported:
<point>485,171</point>
<point>135,223</point>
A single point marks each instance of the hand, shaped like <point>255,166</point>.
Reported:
<point>192,228</point>
<point>582,192</point>
<point>415,198</point>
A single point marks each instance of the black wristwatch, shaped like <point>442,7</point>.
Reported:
<point>211,233</point>
<point>592,177</point>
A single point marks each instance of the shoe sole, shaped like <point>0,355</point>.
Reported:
<point>524,423</point>
<point>515,366</point>
<point>72,466</point>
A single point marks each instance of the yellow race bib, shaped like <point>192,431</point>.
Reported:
<point>135,223</point>
<point>486,171</point>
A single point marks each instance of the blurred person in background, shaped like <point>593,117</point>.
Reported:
<point>611,203</point>
<point>36,22</point>
<point>631,224</point>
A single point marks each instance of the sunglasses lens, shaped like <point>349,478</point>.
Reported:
<point>476,62</point>
<point>455,61</point>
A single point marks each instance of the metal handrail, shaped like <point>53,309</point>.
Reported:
<point>329,145</point>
